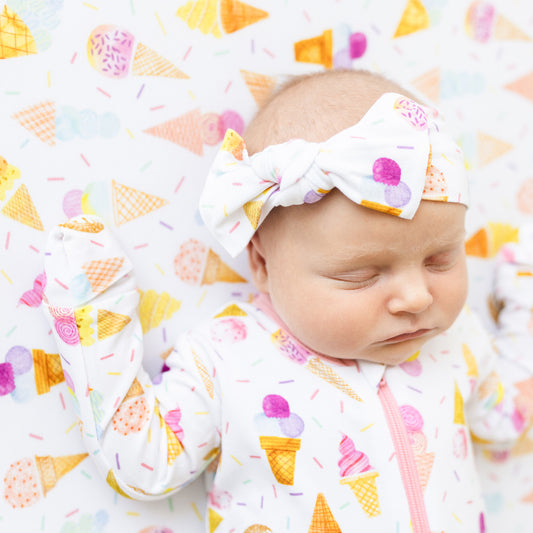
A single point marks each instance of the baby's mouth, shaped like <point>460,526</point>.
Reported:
<point>407,336</point>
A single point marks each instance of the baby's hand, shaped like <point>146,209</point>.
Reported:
<point>82,260</point>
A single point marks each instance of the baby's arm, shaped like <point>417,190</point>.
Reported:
<point>146,439</point>
<point>502,401</point>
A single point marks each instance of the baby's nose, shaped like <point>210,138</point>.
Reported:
<point>410,294</point>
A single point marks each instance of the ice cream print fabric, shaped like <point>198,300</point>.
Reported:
<point>398,154</point>
<point>285,435</point>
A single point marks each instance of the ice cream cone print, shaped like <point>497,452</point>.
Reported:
<point>325,372</point>
<point>174,446</point>
<point>134,390</point>
<point>470,361</point>
<point>458,411</point>
<point>196,264</point>
<point>40,119</point>
<point>101,272</point>
<point>414,18</point>
<point>281,455</point>
<point>154,308</point>
<point>487,241</point>
<point>365,489</point>
<point>130,203</point>
<point>24,477</point>
<point>83,225</point>
<point>231,310</point>
<point>522,86</point>
<point>323,520</point>
<point>202,370</point>
<point>185,131</point>
<point>214,520</point>
<point>490,148</point>
<point>233,143</point>
<point>429,84</point>
<point>110,323</point>
<point>505,30</point>
<point>252,210</point>
<point>16,39</point>
<point>204,16</point>
<point>260,86</point>
<point>8,173</point>
<point>111,480</point>
<point>110,50</point>
<point>424,464</point>
<point>318,50</point>
<point>47,370</point>
<point>20,207</point>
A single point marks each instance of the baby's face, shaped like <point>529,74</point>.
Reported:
<point>353,283</point>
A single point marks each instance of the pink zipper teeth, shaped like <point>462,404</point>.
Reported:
<point>406,459</point>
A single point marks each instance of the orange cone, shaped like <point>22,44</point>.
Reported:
<point>259,85</point>
<point>185,130</point>
<point>490,148</point>
<point>16,39</point>
<point>52,469</point>
<point>429,84</point>
<point>40,119</point>
<point>47,370</point>
<point>130,203</point>
<point>147,62</point>
<point>110,323</point>
<point>235,15</point>
<point>323,520</point>
<point>21,208</point>
<point>317,50</point>
<point>101,272</point>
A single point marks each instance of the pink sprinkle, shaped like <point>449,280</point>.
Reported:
<point>444,496</point>
<point>227,87</point>
<point>268,52</point>
<point>306,15</point>
<point>55,179</point>
<point>85,160</point>
<point>107,356</point>
<point>97,243</point>
<point>132,354</point>
<point>317,462</point>
<point>314,394</point>
<point>140,246</point>
<point>392,456</point>
<point>104,92</point>
<point>274,489</point>
<point>33,248</point>
<point>342,406</point>
<point>147,467</point>
<point>242,380</point>
<point>227,427</point>
<point>202,445</point>
<point>442,399</point>
<point>117,401</point>
<point>7,239</point>
<point>61,284</point>
<point>74,58</point>
<point>187,53</point>
<point>179,184</point>
<point>71,513</point>
<point>157,107</point>
<point>35,436</point>
<point>62,401</point>
<point>255,456</point>
<point>234,227</point>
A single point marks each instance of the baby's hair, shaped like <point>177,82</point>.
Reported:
<point>316,106</point>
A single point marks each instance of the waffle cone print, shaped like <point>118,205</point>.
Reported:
<point>84,225</point>
<point>27,478</point>
<point>212,17</point>
<point>16,39</point>
<point>40,119</point>
<point>323,520</point>
<point>20,207</point>
<point>260,85</point>
<point>110,50</point>
<point>102,272</point>
<point>357,473</point>
<point>318,50</point>
<point>47,370</point>
<point>110,323</point>
<point>130,203</point>
<point>196,264</point>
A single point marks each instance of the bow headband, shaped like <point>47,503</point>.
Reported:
<point>395,156</point>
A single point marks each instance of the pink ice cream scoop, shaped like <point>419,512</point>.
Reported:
<point>352,461</point>
<point>110,49</point>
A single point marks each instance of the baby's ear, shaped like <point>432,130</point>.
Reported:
<point>258,266</point>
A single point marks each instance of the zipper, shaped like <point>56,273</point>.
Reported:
<point>406,459</point>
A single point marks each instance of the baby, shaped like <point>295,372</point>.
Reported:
<point>345,397</point>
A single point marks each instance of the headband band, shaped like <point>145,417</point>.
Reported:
<point>395,156</point>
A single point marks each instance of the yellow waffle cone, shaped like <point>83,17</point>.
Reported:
<point>317,50</point>
<point>365,489</point>
<point>134,391</point>
<point>260,86</point>
<point>47,370</point>
<point>40,119</point>
<point>83,225</point>
<point>130,203</point>
<point>15,37</point>
<point>414,18</point>
<point>235,15</point>
<point>52,469</point>
<point>252,210</point>
<point>231,310</point>
<point>201,15</point>
<point>323,520</point>
<point>325,372</point>
<point>112,482</point>
<point>154,308</point>
<point>214,520</point>
<point>147,62</point>
<point>8,173</point>
<point>233,143</point>
<point>185,131</point>
<point>281,455</point>
<point>424,465</point>
<point>110,323</point>
<point>174,447</point>
<point>101,272</point>
<point>202,370</point>
<point>505,30</point>
<point>217,270</point>
<point>21,208</point>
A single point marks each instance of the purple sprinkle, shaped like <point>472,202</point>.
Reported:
<point>117,461</point>
<point>406,147</point>
<point>166,225</point>
<point>140,91</point>
<point>295,493</point>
